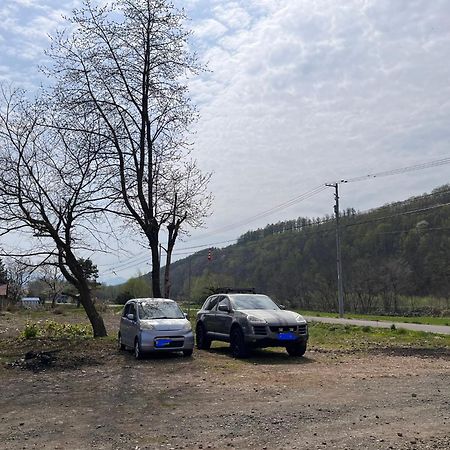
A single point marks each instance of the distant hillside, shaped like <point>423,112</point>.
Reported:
<point>400,249</point>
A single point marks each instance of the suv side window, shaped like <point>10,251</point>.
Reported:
<point>225,301</point>
<point>126,310</point>
<point>212,303</point>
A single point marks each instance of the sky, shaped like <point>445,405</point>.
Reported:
<point>299,93</point>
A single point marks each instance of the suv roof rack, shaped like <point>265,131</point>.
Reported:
<point>234,290</point>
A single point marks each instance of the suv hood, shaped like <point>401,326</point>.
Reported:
<point>274,317</point>
<point>166,324</point>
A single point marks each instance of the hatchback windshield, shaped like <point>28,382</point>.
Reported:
<point>252,302</point>
<point>159,310</point>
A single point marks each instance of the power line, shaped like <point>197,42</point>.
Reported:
<point>297,199</point>
<point>400,170</point>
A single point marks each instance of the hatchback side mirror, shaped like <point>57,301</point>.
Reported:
<point>282,306</point>
<point>186,316</point>
<point>130,316</point>
<point>224,308</point>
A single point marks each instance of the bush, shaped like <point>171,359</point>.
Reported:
<point>30,331</point>
<point>52,329</point>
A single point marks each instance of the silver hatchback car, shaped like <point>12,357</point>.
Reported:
<point>154,325</point>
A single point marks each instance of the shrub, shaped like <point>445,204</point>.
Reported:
<point>52,329</point>
<point>30,331</point>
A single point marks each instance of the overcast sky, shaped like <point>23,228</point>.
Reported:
<point>299,93</point>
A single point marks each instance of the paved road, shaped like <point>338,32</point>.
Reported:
<point>441,329</point>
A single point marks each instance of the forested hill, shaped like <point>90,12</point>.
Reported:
<point>398,250</point>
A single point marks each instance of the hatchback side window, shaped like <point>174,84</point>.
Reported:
<point>126,310</point>
<point>132,309</point>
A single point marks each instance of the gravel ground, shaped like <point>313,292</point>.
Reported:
<point>87,395</point>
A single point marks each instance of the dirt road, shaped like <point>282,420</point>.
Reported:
<point>97,397</point>
<point>89,395</point>
<point>441,329</point>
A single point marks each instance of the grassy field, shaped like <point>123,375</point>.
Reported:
<point>346,337</point>
<point>426,320</point>
<point>322,336</point>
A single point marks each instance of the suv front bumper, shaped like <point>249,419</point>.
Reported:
<point>276,335</point>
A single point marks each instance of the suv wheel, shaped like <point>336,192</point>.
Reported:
<point>188,352</point>
<point>296,349</point>
<point>203,341</point>
<point>137,349</point>
<point>239,348</point>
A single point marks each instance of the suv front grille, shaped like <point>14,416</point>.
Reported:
<point>300,329</point>
<point>260,330</point>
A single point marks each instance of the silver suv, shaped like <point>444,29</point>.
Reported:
<point>250,320</point>
<point>154,324</point>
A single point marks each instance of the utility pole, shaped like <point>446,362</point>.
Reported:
<point>338,248</point>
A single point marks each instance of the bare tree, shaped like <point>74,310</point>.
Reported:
<point>19,273</point>
<point>50,276</point>
<point>51,193</point>
<point>189,202</point>
<point>127,64</point>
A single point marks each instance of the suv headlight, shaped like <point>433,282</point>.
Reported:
<point>256,320</point>
<point>147,326</point>
<point>300,319</point>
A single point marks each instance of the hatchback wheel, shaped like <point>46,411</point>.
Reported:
<point>188,352</point>
<point>120,343</point>
<point>203,341</point>
<point>137,349</point>
<point>239,348</point>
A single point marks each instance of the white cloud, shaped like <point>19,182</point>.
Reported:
<point>316,91</point>
<point>301,92</point>
<point>210,28</point>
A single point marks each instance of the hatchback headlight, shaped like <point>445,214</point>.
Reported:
<point>147,326</point>
<point>186,326</point>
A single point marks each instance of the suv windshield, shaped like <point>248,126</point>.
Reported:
<point>159,310</point>
<point>243,301</point>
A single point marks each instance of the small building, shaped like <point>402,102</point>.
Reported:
<point>30,302</point>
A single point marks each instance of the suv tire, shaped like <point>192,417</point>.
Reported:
<point>239,348</point>
<point>296,349</point>
<point>202,339</point>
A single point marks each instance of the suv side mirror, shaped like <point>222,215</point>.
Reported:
<point>282,306</point>
<point>224,308</point>
<point>130,317</point>
<point>186,316</point>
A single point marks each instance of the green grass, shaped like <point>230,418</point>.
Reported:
<point>426,320</point>
<point>345,337</point>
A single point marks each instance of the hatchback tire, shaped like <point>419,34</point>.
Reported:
<point>239,349</point>
<point>188,352</point>
<point>296,349</point>
<point>202,339</point>
<point>137,349</point>
<point>120,344</point>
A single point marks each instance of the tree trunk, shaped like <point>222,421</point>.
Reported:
<point>98,326</point>
<point>167,273</point>
<point>156,282</point>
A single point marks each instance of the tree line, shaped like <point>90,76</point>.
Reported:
<point>392,253</point>
<point>106,147</point>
